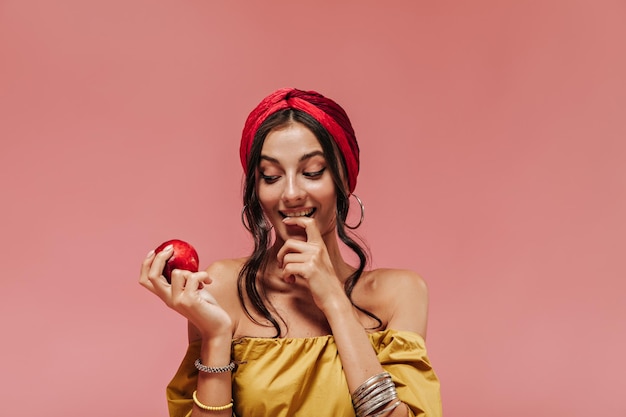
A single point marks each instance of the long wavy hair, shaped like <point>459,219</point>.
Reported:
<point>260,228</point>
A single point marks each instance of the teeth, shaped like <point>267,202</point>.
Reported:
<point>299,213</point>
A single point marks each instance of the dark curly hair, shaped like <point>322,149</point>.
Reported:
<point>260,229</point>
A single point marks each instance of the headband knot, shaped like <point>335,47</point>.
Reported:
<point>327,112</point>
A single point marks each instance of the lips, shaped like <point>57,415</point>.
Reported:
<point>298,213</point>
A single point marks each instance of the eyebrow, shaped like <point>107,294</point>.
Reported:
<point>302,158</point>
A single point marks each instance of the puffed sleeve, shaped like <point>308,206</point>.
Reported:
<point>180,389</point>
<point>403,355</point>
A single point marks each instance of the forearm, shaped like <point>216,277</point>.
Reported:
<point>358,358</point>
<point>214,389</point>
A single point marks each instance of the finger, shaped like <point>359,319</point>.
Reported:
<point>290,246</point>
<point>294,257</point>
<point>152,273</point>
<point>158,263</point>
<point>293,271</point>
<point>186,282</point>
<point>204,279</point>
<point>196,281</point>
<point>143,271</point>
<point>178,282</point>
<point>308,224</point>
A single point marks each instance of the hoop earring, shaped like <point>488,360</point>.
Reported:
<point>362,213</point>
<point>243,220</point>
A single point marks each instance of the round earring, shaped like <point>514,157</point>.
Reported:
<point>362,213</point>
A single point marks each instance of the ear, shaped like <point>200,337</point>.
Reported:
<point>342,170</point>
<point>343,177</point>
<point>346,187</point>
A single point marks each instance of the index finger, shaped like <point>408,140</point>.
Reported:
<point>145,268</point>
<point>313,234</point>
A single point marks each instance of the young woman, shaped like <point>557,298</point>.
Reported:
<point>294,329</point>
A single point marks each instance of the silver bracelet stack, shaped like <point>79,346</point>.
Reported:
<point>212,370</point>
<point>376,396</point>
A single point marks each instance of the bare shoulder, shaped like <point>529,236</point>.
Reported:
<point>402,297</point>
<point>225,269</point>
<point>396,280</point>
<point>224,274</point>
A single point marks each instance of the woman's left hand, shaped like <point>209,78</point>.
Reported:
<point>308,262</point>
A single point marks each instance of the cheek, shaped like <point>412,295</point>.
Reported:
<point>268,197</point>
<point>326,196</point>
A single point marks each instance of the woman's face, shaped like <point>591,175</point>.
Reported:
<point>293,179</point>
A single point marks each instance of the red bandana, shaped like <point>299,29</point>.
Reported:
<point>328,113</point>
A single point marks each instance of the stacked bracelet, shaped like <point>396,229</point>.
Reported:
<point>211,370</point>
<point>376,396</point>
<point>208,407</point>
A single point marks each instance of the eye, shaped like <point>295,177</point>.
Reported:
<point>269,179</point>
<point>315,174</point>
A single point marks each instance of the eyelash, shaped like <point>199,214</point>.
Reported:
<point>269,179</point>
<point>314,174</point>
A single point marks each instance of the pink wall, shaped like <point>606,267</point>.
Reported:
<point>493,145</point>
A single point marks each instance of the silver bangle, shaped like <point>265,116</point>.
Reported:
<point>376,396</point>
<point>212,370</point>
<point>365,388</point>
<point>388,409</point>
<point>378,391</point>
<point>372,406</point>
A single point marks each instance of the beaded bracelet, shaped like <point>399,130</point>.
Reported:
<point>208,407</point>
<point>211,370</point>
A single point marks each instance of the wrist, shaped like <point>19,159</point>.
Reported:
<point>217,340</point>
<point>209,331</point>
<point>339,307</point>
<point>215,351</point>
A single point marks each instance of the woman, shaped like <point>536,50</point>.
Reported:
<point>294,329</point>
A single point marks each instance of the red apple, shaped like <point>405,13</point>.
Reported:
<point>184,257</point>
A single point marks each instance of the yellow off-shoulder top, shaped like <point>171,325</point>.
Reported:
<point>303,376</point>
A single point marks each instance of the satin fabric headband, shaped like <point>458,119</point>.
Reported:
<point>313,104</point>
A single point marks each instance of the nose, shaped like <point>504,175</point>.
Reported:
<point>293,191</point>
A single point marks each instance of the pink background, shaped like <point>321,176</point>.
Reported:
<point>493,163</point>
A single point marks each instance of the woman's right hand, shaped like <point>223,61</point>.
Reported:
<point>188,294</point>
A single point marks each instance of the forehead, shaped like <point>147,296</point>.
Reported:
<point>291,141</point>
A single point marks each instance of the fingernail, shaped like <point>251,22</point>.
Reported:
<point>150,253</point>
<point>168,248</point>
